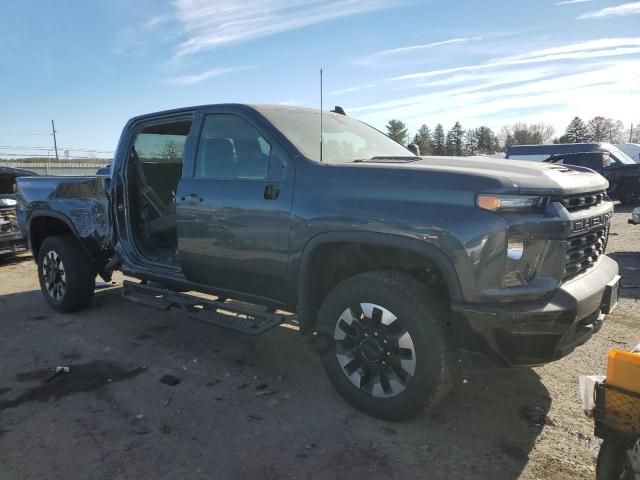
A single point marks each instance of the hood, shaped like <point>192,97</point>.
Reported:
<point>8,200</point>
<point>635,168</point>
<point>525,177</point>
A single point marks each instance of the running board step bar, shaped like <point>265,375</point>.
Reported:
<point>235,317</point>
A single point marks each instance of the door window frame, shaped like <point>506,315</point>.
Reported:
<point>189,170</point>
<point>124,216</point>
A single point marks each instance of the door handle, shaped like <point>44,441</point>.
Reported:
<point>271,192</point>
<point>192,199</point>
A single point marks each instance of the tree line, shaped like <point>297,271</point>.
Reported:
<point>456,141</point>
<point>482,140</point>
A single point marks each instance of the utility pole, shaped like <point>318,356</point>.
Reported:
<point>631,133</point>
<point>55,143</point>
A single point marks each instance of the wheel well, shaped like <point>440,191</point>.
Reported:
<point>43,227</point>
<point>330,263</point>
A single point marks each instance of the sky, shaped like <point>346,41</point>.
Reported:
<point>91,65</point>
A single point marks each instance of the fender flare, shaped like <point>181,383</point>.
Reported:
<point>434,253</point>
<point>64,219</point>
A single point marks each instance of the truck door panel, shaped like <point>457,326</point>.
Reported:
<point>234,212</point>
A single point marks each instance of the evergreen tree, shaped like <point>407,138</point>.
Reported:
<point>486,140</point>
<point>455,140</point>
<point>423,140</point>
<point>471,142</point>
<point>397,130</point>
<point>576,131</point>
<point>438,140</point>
<point>598,128</point>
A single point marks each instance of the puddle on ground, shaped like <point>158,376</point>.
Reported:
<point>81,378</point>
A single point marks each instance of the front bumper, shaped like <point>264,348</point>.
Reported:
<point>12,243</point>
<point>537,332</point>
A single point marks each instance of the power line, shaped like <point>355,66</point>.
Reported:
<point>41,155</point>
<point>23,147</point>
<point>24,134</point>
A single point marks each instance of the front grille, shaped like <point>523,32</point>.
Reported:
<point>583,200</point>
<point>584,250</point>
<point>8,221</point>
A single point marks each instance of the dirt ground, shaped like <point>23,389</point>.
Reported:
<point>261,407</point>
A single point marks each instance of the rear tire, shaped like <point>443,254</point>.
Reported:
<point>67,278</point>
<point>630,193</point>
<point>611,464</point>
<point>630,198</point>
<point>383,344</point>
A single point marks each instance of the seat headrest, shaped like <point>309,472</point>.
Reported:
<point>215,157</point>
<point>218,147</point>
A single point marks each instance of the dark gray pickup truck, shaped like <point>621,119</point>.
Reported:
<point>396,265</point>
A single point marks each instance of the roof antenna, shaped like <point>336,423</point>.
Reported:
<point>321,115</point>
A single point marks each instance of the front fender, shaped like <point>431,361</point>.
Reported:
<point>415,245</point>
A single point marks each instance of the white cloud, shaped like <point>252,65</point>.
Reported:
<point>353,89</point>
<point>606,47</point>
<point>552,96</point>
<point>211,24</point>
<point>200,77</point>
<point>572,2</point>
<point>624,9</point>
<point>372,58</point>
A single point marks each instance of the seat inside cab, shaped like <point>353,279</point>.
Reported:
<point>153,173</point>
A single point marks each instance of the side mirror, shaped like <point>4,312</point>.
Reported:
<point>415,149</point>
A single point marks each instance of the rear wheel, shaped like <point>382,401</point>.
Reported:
<point>630,198</point>
<point>630,193</point>
<point>612,463</point>
<point>383,344</point>
<point>67,279</point>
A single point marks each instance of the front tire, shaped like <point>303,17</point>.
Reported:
<point>384,345</point>
<point>67,278</point>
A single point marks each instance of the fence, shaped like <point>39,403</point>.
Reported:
<point>64,169</point>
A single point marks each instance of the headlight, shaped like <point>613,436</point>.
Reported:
<point>513,203</point>
<point>524,259</point>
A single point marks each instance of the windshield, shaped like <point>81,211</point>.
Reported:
<point>344,139</point>
<point>618,155</point>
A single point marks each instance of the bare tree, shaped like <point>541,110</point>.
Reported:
<point>521,133</point>
<point>601,129</point>
<point>632,134</point>
<point>172,152</point>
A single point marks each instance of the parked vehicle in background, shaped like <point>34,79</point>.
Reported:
<point>104,171</point>
<point>395,264</point>
<point>538,153</point>
<point>624,180</point>
<point>631,149</point>
<point>11,239</point>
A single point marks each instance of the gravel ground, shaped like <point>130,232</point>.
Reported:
<point>261,407</point>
